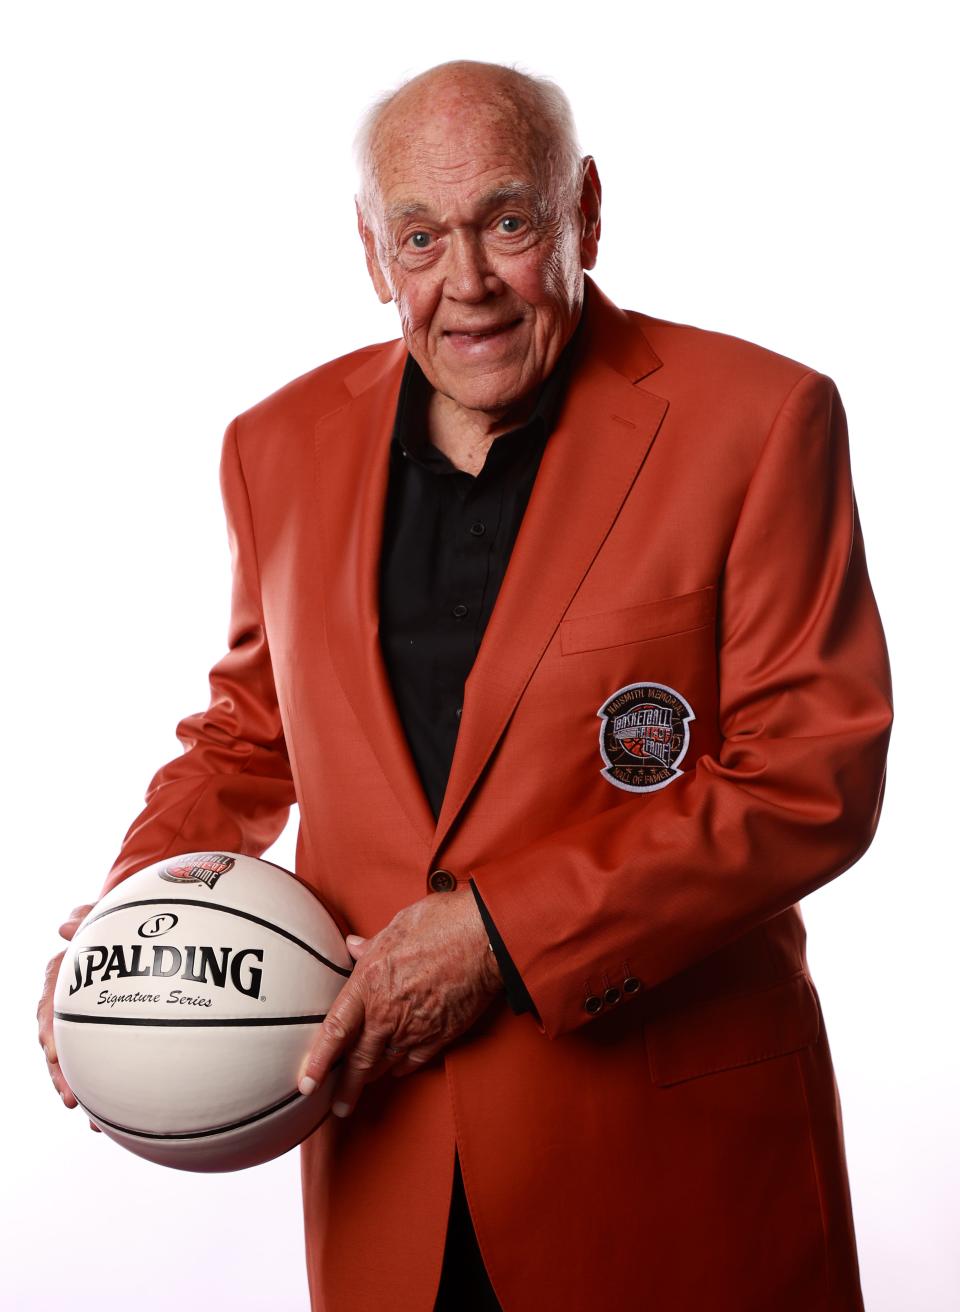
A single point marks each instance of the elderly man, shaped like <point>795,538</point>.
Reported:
<point>555,620</point>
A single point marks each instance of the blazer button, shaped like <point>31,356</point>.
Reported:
<point>611,997</point>
<point>442,881</point>
<point>631,984</point>
<point>592,1004</point>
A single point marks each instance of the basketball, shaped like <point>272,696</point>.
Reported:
<point>186,1003</point>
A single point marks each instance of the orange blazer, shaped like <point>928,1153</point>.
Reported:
<point>675,728</point>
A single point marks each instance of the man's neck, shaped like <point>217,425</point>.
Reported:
<point>465,436</point>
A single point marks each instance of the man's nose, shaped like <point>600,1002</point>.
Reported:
<point>468,274</point>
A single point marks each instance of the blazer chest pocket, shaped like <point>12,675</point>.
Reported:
<point>726,1032</point>
<point>667,617</point>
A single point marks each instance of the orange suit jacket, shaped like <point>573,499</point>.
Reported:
<point>668,1136</point>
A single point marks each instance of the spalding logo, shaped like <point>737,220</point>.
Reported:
<point>158,925</point>
<point>199,965</point>
<point>203,868</point>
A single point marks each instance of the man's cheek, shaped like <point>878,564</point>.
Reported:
<point>416,307</point>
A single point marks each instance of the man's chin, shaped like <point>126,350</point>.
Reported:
<point>491,393</point>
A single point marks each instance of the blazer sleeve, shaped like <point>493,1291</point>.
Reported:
<point>653,884</point>
<point>232,787</point>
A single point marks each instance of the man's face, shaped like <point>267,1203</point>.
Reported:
<point>482,256</point>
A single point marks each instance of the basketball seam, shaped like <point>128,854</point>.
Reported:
<point>197,1134</point>
<point>189,1021</point>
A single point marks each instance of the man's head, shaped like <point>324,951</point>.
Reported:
<point>478,217</point>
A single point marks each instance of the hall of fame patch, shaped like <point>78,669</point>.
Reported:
<point>644,735</point>
<point>197,868</point>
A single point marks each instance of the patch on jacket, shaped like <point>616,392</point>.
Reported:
<point>644,735</point>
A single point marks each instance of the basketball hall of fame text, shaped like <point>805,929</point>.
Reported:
<point>644,735</point>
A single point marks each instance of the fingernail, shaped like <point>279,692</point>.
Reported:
<point>50,1052</point>
<point>307,1085</point>
<point>354,938</point>
<point>341,1109</point>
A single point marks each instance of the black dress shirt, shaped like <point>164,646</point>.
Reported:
<point>447,541</point>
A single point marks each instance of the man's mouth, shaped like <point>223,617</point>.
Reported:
<point>480,334</point>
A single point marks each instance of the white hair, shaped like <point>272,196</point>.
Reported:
<point>541,99</point>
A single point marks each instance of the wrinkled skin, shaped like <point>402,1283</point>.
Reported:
<point>417,985</point>
<point>45,1011</point>
<point>464,233</point>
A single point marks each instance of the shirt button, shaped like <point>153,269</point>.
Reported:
<point>478,529</point>
<point>442,881</point>
<point>459,711</point>
<point>459,610</point>
<point>592,1004</point>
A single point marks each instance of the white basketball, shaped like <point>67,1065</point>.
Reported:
<point>186,1003</point>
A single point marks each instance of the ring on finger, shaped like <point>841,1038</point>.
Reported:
<point>393,1052</point>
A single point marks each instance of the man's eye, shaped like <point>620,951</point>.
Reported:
<point>510,223</point>
<point>419,240</point>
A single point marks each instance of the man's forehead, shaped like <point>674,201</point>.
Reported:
<point>434,112</point>
<point>443,202</point>
<point>425,150</point>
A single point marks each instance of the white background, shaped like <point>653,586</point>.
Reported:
<point>179,241</point>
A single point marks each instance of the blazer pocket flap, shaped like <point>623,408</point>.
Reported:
<point>733,1031</point>
<point>651,619</point>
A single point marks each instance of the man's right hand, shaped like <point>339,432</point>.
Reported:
<point>45,1010</point>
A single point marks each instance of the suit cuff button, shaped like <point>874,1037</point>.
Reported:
<point>611,997</point>
<point>631,984</point>
<point>592,1004</point>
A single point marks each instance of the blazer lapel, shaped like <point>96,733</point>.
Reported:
<point>352,450</point>
<point>590,462</point>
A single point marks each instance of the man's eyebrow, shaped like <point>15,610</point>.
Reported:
<point>506,193</point>
<point>405,210</point>
<point>510,191</point>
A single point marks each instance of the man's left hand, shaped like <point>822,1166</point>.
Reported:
<point>417,985</point>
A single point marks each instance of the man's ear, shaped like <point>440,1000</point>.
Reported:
<point>590,196</point>
<point>373,264</point>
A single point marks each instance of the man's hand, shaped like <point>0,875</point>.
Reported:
<point>417,985</point>
<point>45,1011</point>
